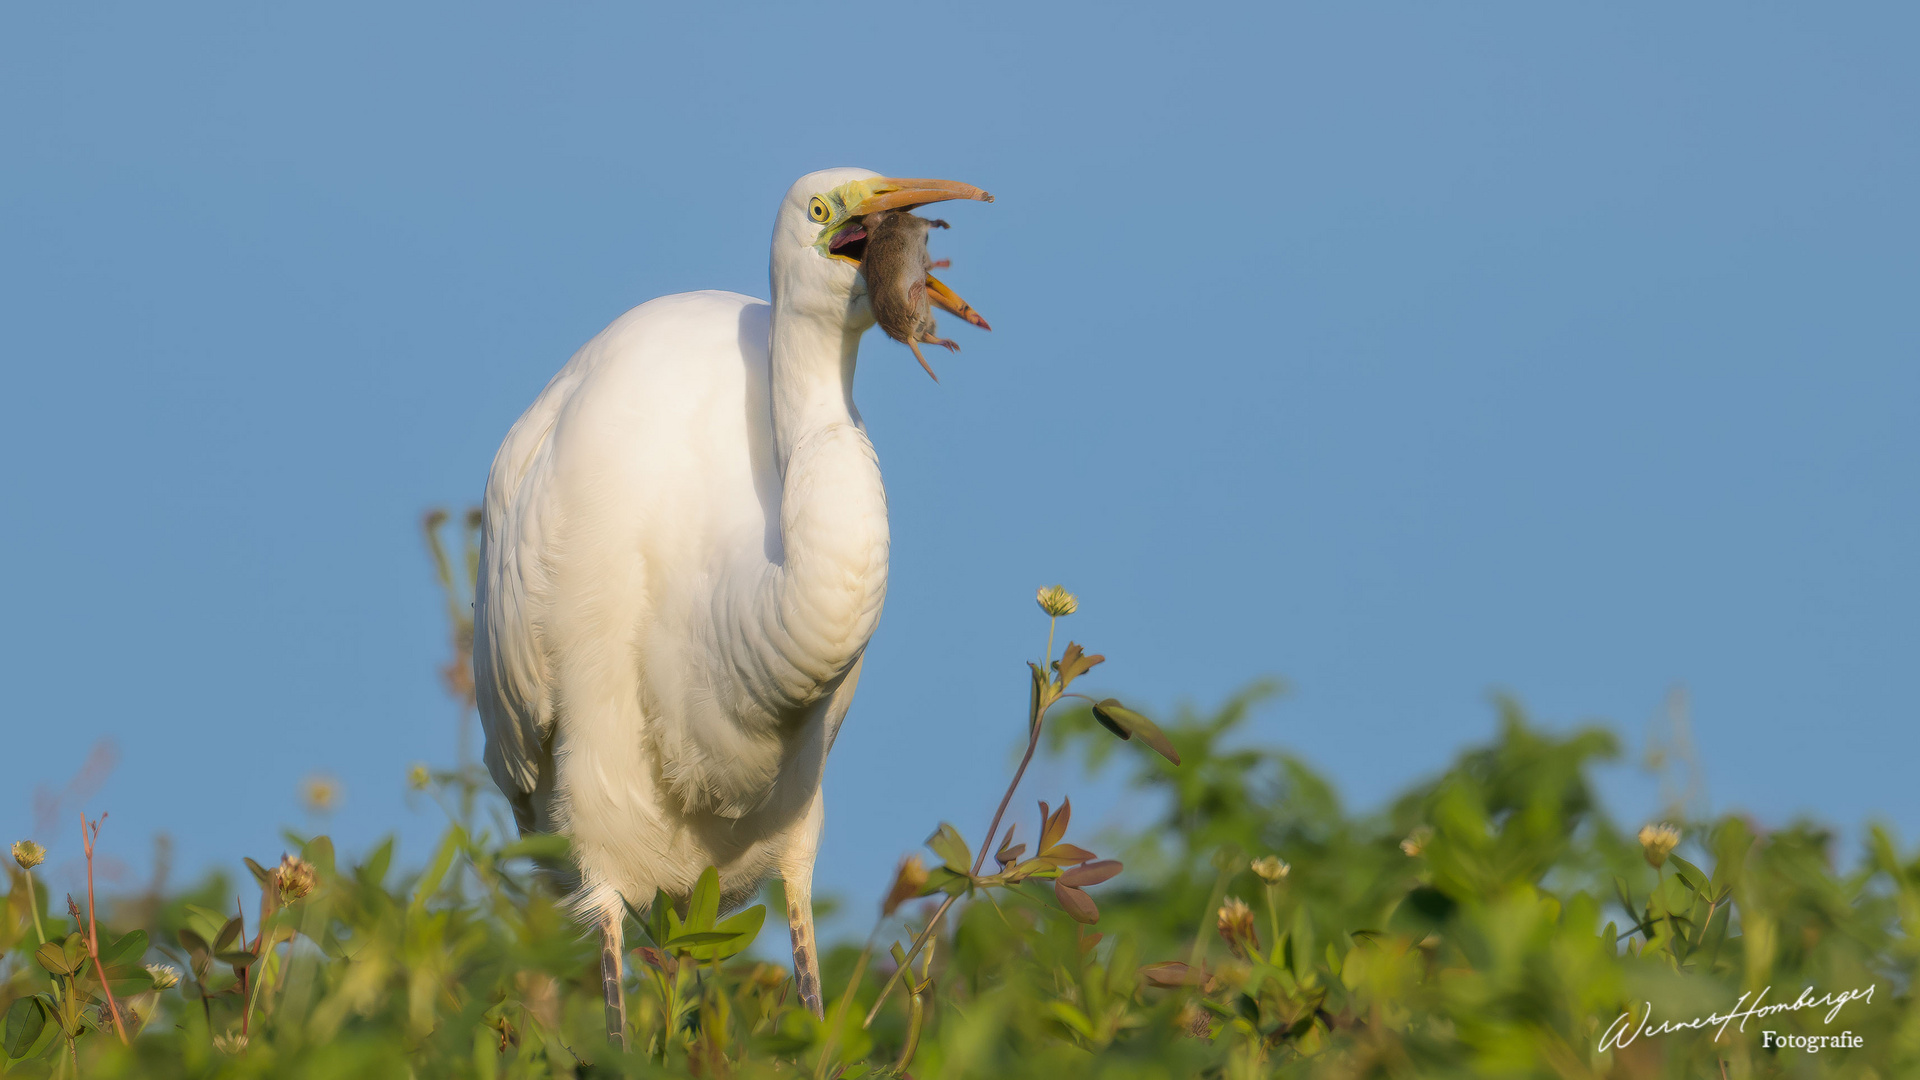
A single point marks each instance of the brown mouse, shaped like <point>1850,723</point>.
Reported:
<point>896,264</point>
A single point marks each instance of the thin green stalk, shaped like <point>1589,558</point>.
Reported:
<point>838,1016</point>
<point>33,905</point>
<point>919,941</point>
<point>1200,939</point>
<point>1273,912</point>
<point>916,1015</point>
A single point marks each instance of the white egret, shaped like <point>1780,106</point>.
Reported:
<point>683,558</point>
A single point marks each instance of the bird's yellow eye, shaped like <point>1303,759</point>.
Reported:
<point>817,209</point>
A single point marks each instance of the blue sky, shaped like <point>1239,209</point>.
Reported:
<point>1408,351</point>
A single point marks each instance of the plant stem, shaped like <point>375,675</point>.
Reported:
<point>93,933</point>
<point>33,905</point>
<point>925,935</point>
<point>245,973</point>
<point>1199,954</point>
<point>839,1014</point>
<point>1273,912</point>
<point>1033,743</point>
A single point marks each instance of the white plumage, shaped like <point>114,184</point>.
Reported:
<point>684,556</point>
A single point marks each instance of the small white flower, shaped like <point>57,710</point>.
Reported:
<point>1272,869</point>
<point>164,977</point>
<point>1056,601</point>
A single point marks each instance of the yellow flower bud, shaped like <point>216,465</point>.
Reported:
<point>320,793</point>
<point>1236,927</point>
<point>1272,869</point>
<point>418,777</point>
<point>1416,841</point>
<point>1056,601</point>
<point>907,883</point>
<point>296,877</point>
<point>28,854</point>
<point>1659,842</point>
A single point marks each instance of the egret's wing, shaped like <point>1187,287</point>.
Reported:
<point>511,679</point>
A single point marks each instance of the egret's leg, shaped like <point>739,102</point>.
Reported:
<point>611,984</point>
<point>796,874</point>
<point>806,960</point>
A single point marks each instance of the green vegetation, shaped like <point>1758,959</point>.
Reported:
<point>1489,923</point>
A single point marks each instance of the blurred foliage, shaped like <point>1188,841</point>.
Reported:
<point>1491,922</point>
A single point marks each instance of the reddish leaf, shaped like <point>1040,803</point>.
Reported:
<point>1066,854</point>
<point>1126,723</point>
<point>1076,903</point>
<point>1074,663</point>
<point>1055,828</point>
<point>1172,973</point>
<point>1090,874</point>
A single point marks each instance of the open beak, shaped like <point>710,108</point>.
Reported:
<point>891,193</point>
<point>894,194</point>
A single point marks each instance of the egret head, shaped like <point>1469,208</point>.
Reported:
<point>818,241</point>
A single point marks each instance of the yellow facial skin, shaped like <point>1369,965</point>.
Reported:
<point>831,210</point>
<point>857,198</point>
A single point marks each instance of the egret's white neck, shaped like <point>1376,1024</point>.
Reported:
<point>812,359</point>
<point>793,632</point>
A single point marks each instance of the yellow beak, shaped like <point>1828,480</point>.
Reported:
<point>892,193</point>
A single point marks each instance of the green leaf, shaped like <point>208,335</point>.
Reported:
<point>1695,877</point>
<point>661,922</point>
<point>206,922</point>
<point>129,949</point>
<point>54,958</point>
<point>237,957</point>
<point>25,1020</point>
<point>436,872</point>
<point>1072,1018</point>
<point>319,852</point>
<point>1126,723</point>
<point>740,929</point>
<point>942,880</point>
<point>954,853</point>
<point>261,875</point>
<point>129,981</point>
<point>689,938</point>
<point>228,934</point>
<point>703,907</point>
<point>374,871</point>
<point>646,928</point>
<point>548,846</point>
<point>1301,937</point>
